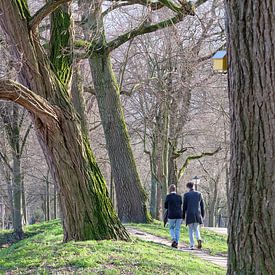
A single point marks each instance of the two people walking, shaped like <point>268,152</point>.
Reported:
<point>190,209</point>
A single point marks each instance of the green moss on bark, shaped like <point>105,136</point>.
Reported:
<point>23,9</point>
<point>61,44</point>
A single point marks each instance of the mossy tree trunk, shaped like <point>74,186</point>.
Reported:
<point>131,198</point>
<point>130,195</point>
<point>87,212</point>
<point>251,77</point>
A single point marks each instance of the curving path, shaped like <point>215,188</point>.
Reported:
<point>218,260</point>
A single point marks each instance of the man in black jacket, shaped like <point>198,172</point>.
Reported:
<point>193,207</point>
<point>173,204</point>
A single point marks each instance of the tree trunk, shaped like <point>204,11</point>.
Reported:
<point>153,200</point>
<point>54,202</point>
<point>24,207</point>
<point>3,208</point>
<point>251,36</point>
<point>112,189</point>
<point>86,208</point>
<point>130,195</point>
<point>78,96</point>
<point>213,202</point>
<point>17,202</point>
<point>47,199</point>
<point>162,148</point>
<point>172,165</point>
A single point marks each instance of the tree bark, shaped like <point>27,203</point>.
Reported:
<point>251,50</point>
<point>86,208</point>
<point>47,199</point>
<point>213,201</point>
<point>107,91</point>
<point>54,202</point>
<point>24,207</point>
<point>154,180</point>
<point>130,195</point>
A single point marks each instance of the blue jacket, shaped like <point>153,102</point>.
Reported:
<point>173,203</point>
<point>193,207</point>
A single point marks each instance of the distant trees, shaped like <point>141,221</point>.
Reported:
<point>162,78</point>
<point>12,119</point>
<point>251,51</point>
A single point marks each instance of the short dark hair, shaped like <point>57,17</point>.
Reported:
<point>172,188</point>
<point>190,185</point>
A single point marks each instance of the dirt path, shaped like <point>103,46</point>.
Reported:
<point>218,260</point>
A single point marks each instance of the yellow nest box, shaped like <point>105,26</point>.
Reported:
<point>220,61</point>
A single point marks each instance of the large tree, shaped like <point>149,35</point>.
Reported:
<point>131,198</point>
<point>44,91</point>
<point>251,76</point>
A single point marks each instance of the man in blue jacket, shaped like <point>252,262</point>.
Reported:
<point>193,208</point>
<point>173,204</point>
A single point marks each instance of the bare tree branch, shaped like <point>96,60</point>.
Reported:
<point>12,91</point>
<point>189,158</point>
<point>142,29</point>
<point>182,11</point>
<point>25,139</point>
<point>116,5</point>
<point>48,8</point>
<point>5,160</point>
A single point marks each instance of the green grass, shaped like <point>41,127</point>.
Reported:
<point>43,253</point>
<point>215,244</point>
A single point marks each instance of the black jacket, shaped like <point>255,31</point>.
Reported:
<point>173,203</point>
<point>193,207</point>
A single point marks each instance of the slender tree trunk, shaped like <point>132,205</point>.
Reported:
<point>130,195</point>
<point>251,36</point>
<point>3,208</point>
<point>10,196</point>
<point>47,199</point>
<point>154,180</point>
<point>153,200</point>
<point>172,166</point>
<point>24,207</point>
<point>213,202</point>
<point>54,202</point>
<point>165,153</point>
<point>162,148</point>
<point>159,202</point>
<point>17,202</point>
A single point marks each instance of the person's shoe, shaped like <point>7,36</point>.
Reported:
<point>191,247</point>
<point>199,244</point>
<point>174,244</point>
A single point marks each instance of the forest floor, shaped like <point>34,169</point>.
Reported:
<point>43,252</point>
